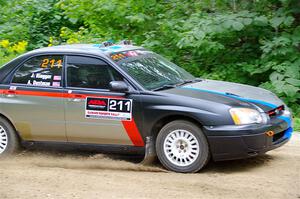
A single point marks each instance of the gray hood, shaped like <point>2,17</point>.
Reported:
<point>258,96</point>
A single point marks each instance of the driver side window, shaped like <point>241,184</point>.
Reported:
<point>87,72</point>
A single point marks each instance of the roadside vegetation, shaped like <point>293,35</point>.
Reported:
<point>254,42</point>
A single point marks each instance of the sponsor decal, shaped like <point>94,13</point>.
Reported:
<point>43,83</point>
<point>38,83</point>
<point>108,108</point>
<point>56,78</point>
<point>56,84</point>
<point>124,55</point>
<point>13,88</point>
<point>131,54</point>
<point>43,76</point>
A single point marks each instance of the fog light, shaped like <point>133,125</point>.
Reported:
<point>269,133</point>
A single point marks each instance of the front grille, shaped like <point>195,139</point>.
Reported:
<point>278,136</point>
<point>276,111</point>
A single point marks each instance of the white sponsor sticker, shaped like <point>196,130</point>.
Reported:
<point>108,108</point>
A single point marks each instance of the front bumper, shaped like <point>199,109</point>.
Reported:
<point>237,142</point>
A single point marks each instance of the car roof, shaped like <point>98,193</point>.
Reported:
<point>96,49</point>
<point>87,49</point>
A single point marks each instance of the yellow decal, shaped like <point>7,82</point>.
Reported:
<point>51,63</point>
<point>117,56</point>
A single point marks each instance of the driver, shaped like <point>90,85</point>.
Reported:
<point>93,81</point>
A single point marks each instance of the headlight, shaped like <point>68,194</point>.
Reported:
<point>246,116</point>
<point>287,113</point>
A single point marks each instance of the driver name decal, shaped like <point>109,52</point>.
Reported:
<point>108,108</point>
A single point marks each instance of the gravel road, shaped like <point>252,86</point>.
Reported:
<point>40,174</point>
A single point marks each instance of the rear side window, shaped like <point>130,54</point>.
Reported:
<point>41,71</point>
<point>87,72</point>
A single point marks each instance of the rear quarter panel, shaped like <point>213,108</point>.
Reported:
<point>2,104</point>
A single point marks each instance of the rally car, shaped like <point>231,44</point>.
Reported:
<point>124,98</point>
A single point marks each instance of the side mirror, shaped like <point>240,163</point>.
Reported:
<point>118,86</point>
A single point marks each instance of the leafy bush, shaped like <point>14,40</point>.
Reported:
<point>10,50</point>
<point>31,20</point>
<point>297,124</point>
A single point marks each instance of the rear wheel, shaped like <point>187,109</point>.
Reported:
<point>9,142</point>
<point>182,147</point>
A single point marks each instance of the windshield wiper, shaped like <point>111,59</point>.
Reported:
<point>190,81</point>
<point>167,86</point>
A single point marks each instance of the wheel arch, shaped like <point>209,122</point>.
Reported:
<point>9,121</point>
<point>167,119</point>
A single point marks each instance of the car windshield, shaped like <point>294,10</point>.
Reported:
<point>151,70</point>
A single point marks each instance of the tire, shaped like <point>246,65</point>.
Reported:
<point>9,142</point>
<point>182,147</point>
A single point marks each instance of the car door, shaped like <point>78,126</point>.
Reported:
<point>94,114</point>
<point>34,99</point>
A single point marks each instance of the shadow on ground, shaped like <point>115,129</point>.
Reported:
<point>90,160</point>
<point>232,166</point>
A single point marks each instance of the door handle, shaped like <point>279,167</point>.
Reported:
<point>77,98</point>
<point>10,93</point>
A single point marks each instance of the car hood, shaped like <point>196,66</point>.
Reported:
<point>233,91</point>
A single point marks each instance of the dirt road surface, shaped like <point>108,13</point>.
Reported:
<point>38,174</point>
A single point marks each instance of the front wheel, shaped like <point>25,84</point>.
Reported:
<point>182,147</point>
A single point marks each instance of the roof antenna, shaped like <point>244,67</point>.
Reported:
<point>107,43</point>
<point>125,42</point>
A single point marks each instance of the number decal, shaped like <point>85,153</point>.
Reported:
<point>128,105</point>
<point>59,63</point>
<point>104,108</point>
<point>45,63</point>
<point>112,105</point>
<point>119,105</point>
<point>117,56</point>
<point>51,63</point>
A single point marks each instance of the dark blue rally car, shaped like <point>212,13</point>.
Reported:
<point>123,98</point>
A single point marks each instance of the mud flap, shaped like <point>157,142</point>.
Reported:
<point>150,154</point>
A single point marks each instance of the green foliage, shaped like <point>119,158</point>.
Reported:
<point>297,124</point>
<point>10,50</point>
<point>254,42</point>
<point>31,20</point>
<point>5,59</point>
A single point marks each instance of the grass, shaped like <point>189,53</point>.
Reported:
<point>297,124</point>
